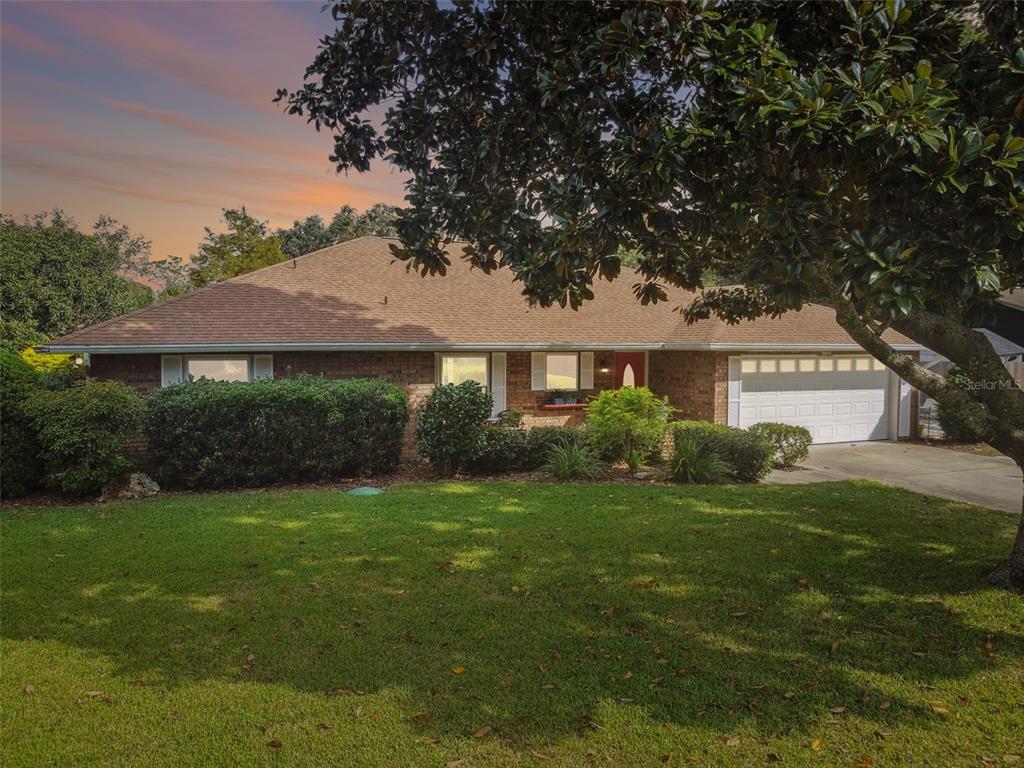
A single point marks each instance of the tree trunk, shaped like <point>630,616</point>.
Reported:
<point>1010,572</point>
<point>997,406</point>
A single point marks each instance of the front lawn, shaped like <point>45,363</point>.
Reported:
<point>500,624</point>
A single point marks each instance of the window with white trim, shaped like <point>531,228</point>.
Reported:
<point>456,369</point>
<point>218,368</point>
<point>175,369</point>
<point>562,370</point>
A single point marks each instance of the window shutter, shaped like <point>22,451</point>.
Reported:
<point>498,382</point>
<point>539,378</point>
<point>262,367</point>
<point>586,370</point>
<point>170,370</point>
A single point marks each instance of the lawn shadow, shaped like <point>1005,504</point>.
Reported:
<point>529,610</point>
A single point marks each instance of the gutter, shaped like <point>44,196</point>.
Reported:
<point>177,349</point>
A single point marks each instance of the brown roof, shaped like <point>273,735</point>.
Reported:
<point>356,295</point>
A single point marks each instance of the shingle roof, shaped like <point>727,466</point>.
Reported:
<point>355,294</point>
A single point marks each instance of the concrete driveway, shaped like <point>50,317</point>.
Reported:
<point>989,481</point>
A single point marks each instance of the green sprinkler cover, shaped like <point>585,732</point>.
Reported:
<point>365,490</point>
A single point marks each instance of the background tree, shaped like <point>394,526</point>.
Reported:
<point>312,234</point>
<point>247,245</point>
<point>57,279</point>
<point>864,155</point>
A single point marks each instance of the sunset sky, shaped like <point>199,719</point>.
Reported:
<point>160,114</point>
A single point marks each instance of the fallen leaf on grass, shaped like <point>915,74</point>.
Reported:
<point>837,710</point>
<point>458,670</point>
<point>863,762</point>
<point>1010,759</point>
<point>542,757</point>
<point>939,708</point>
<point>325,727</point>
<point>30,689</point>
<point>420,717</point>
<point>817,745</point>
<point>479,733</point>
<point>730,741</point>
<point>547,686</point>
<point>275,744</point>
<point>885,705</point>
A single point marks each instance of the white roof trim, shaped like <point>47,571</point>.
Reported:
<point>129,349</point>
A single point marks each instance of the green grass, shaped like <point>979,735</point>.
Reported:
<point>591,626</point>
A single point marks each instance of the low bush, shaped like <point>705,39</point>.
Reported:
<point>84,432</point>
<point>627,423</point>
<point>955,427</point>
<point>21,463</point>
<point>214,434</point>
<point>692,461</point>
<point>502,450</point>
<point>747,455</point>
<point>541,440</point>
<point>450,430</point>
<point>573,460</point>
<point>790,444</point>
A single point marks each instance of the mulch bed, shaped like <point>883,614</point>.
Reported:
<point>409,473</point>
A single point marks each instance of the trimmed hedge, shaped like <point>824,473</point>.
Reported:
<point>84,432</point>
<point>748,457</point>
<point>21,463</point>
<point>503,449</point>
<point>790,444</point>
<point>541,440</point>
<point>213,434</point>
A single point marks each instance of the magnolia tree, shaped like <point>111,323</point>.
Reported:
<point>866,155</point>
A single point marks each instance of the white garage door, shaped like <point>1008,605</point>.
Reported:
<point>837,398</point>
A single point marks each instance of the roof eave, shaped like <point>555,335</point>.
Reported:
<point>235,347</point>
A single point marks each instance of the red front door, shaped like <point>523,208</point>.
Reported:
<point>630,369</point>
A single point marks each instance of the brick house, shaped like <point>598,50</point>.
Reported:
<point>351,310</point>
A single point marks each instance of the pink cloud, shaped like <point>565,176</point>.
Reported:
<point>124,31</point>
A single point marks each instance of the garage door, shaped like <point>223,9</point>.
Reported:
<point>837,398</point>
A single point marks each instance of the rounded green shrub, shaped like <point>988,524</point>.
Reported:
<point>215,434</point>
<point>450,431</point>
<point>627,423</point>
<point>748,457</point>
<point>84,432</point>
<point>955,426</point>
<point>21,464</point>
<point>790,444</point>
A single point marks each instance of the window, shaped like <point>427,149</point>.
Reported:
<point>748,366</point>
<point>456,369</point>
<point>878,365</point>
<point>218,369</point>
<point>807,364</point>
<point>825,364</point>
<point>787,365</point>
<point>562,371</point>
<point>768,366</point>
<point>863,364</point>
<point>844,364</point>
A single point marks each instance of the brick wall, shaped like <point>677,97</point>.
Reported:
<point>696,383</point>
<point>140,372</point>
